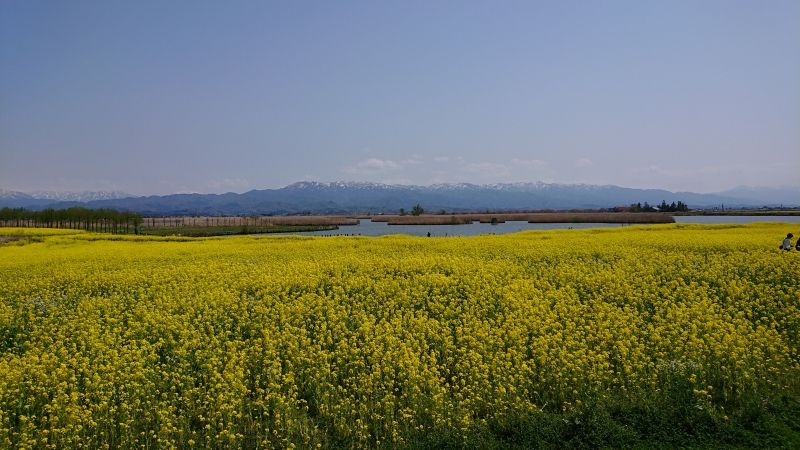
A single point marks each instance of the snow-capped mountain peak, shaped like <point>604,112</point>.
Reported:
<point>83,196</point>
<point>58,196</point>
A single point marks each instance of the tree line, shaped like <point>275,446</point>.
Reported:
<point>100,220</point>
<point>415,211</point>
<point>663,207</point>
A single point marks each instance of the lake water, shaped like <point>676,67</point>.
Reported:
<point>367,227</point>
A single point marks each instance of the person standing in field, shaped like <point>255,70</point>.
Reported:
<point>787,243</point>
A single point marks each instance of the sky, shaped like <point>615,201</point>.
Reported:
<point>158,97</point>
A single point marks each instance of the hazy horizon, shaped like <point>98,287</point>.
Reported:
<point>47,191</point>
<point>151,98</point>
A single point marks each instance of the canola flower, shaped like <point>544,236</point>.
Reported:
<point>277,342</point>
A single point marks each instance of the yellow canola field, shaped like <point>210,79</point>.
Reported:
<point>122,341</point>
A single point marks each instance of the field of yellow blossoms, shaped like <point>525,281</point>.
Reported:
<point>668,333</point>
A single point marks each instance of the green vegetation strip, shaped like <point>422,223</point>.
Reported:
<point>231,230</point>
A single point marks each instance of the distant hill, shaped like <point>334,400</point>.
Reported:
<point>786,196</point>
<point>348,197</point>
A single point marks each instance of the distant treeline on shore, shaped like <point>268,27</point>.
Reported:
<point>99,220</point>
<point>123,222</point>
<point>678,206</point>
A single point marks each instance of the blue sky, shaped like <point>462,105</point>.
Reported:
<point>160,97</point>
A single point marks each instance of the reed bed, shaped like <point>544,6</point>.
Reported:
<point>602,217</point>
<point>253,221</point>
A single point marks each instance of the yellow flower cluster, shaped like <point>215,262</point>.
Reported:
<point>274,342</point>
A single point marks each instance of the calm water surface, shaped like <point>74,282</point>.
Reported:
<point>367,227</point>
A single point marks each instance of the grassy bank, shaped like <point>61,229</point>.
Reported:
<point>205,231</point>
<point>741,212</point>
<point>246,221</point>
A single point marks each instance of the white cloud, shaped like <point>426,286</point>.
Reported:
<point>413,161</point>
<point>584,162</point>
<point>530,163</point>
<point>448,169</point>
<point>373,165</point>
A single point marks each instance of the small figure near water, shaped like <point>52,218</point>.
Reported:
<point>429,234</point>
<point>787,243</point>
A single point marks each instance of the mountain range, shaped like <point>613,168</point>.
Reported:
<point>351,197</point>
<point>44,199</point>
